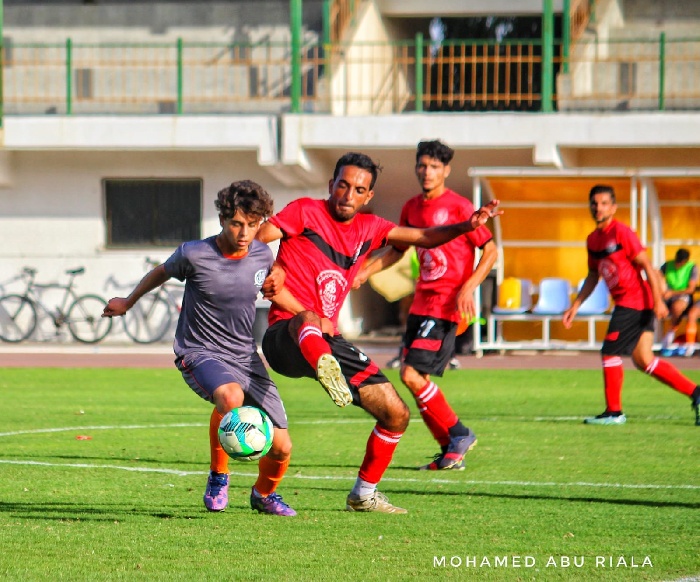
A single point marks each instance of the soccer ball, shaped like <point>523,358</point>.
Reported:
<point>245,433</point>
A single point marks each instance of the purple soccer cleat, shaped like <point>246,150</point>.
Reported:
<point>216,494</point>
<point>453,458</point>
<point>272,504</point>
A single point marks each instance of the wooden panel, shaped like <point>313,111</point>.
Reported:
<point>678,189</point>
<point>535,264</point>
<point>548,224</point>
<point>556,190</point>
<point>558,212</point>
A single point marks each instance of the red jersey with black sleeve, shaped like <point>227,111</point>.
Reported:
<point>443,269</point>
<point>321,256</point>
<point>611,251</point>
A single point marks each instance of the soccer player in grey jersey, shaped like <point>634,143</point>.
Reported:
<point>214,345</point>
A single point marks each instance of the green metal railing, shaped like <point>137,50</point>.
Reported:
<point>76,78</point>
<point>632,74</point>
<point>295,50</point>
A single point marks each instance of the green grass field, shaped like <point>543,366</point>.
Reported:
<point>541,489</point>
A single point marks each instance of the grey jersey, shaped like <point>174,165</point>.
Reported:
<point>218,307</point>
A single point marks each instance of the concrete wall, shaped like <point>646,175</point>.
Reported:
<point>51,208</point>
<point>243,80</point>
<point>53,217</point>
<point>52,167</point>
<point>660,12</point>
<point>110,20</point>
<point>616,64</point>
<point>367,75</point>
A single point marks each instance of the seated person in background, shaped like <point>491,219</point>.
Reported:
<point>681,277</point>
<point>691,329</point>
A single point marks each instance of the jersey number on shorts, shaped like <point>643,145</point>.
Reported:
<point>426,327</point>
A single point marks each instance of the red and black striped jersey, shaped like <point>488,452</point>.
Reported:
<point>611,252</point>
<point>321,255</point>
<point>443,269</point>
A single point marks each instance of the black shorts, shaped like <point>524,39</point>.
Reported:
<point>284,357</point>
<point>625,328</point>
<point>430,343</point>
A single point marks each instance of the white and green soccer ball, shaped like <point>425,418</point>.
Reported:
<point>245,433</point>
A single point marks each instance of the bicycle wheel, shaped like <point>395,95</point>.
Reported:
<point>148,320</point>
<point>85,321</point>
<point>17,318</point>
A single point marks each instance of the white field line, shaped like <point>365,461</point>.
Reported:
<point>333,421</point>
<point>172,425</point>
<point>298,475</point>
<point>102,427</point>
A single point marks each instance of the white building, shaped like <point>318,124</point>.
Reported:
<point>91,123</point>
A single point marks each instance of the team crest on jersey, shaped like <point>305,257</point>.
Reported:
<point>612,247</point>
<point>608,271</point>
<point>331,287</point>
<point>441,216</point>
<point>260,277</point>
<point>433,264</point>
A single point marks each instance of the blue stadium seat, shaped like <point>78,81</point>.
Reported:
<point>597,302</point>
<point>554,296</point>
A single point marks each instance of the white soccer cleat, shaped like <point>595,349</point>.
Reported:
<point>331,378</point>
<point>376,501</point>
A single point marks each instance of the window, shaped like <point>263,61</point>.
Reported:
<point>152,212</point>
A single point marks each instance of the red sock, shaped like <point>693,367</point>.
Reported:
<point>436,412</point>
<point>219,458</point>
<point>380,449</point>
<point>312,344</point>
<point>669,375</point>
<point>613,375</point>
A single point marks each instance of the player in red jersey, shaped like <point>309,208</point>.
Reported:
<point>444,295</point>
<point>616,254</point>
<point>323,245</point>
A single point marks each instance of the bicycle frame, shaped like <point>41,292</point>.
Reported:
<point>173,299</point>
<point>151,317</point>
<point>81,314</point>
<point>165,291</point>
<point>33,293</point>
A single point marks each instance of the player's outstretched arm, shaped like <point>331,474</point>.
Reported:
<point>438,235</point>
<point>376,264</point>
<point>120,305</point>
<point>586,289</point>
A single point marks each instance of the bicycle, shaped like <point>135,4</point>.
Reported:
<point>82,314</point>
<point>152,316</point>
